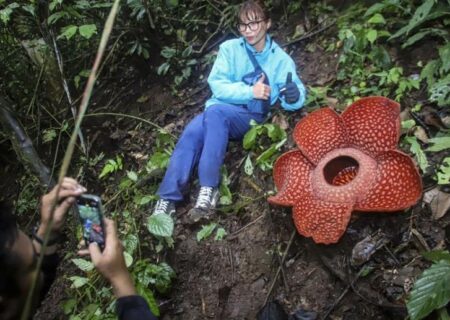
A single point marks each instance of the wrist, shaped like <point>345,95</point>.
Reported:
<point>123,285</point>
<point>39,233</point>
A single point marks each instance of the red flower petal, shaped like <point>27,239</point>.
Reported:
<point>320,132</point>
<point>291,174</point>
<point>397,187</point>
<point>324,221</point>
<point>373,124</point>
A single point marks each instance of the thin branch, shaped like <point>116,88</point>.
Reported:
<point>291,240</point>
<point>131,117</point>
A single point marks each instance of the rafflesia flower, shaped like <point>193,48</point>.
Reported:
<point>343,163</point>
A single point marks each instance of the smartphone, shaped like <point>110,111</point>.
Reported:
<point>90,212</point>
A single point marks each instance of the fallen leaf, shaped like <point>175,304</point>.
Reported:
<point>421,134</point>
<point>438,201</point>
<point>280,120</point>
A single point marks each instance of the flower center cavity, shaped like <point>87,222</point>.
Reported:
<point>341,170</point>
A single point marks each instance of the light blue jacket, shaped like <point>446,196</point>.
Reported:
<point>232,63</point>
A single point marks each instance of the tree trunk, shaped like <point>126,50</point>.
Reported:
<point>23,145</point>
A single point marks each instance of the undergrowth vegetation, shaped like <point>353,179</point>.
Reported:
<point>49,48</point>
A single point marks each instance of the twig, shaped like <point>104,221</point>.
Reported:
<point>234,234</point>
<point>338,300</point>
<point>309,35</point>
<point>279,268</point>
<point>33,99</point>
<point>131,117</point>
<point>66,87</point>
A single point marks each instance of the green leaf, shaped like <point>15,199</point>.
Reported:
<point>419,16</point>
<point>225,193</point>
<point>49,135</point>
<point>444,53</point>
<point>149,297</point>
<point>131,243</point>
<point>431,291</point>
<point>132,175</point>
<point>429,71</point>
<point>250,138</point>
<point>206,231</point>
<point>83,265</point>
<point>372,35</point>
<point>418,152</point>
<point>128,259</point>
<point>437,255</point>
<point>162,69</point>
<point>266,155</point>
<point>377,19</point>
<point>377,7</point>
<point>408,124</point>
<point>443,172</point>
<point>439,144</point>
<point>172,3</point>
<point>168,53</point>
<point>6,12</point>
<point>78,282</point>
<point>440,92</point>
<point>248,166</point>
<point>424,32</point>
<point>68,32</point>
<point>87,30</point>
<point>69,305</point>
<point>220,234</point>
<point>160,225</point>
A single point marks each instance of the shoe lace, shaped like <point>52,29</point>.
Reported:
<point>161,206</point>
<point>204,197</point>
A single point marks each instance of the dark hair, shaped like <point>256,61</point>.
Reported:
<point>255,7</point>
<point>10,261</point>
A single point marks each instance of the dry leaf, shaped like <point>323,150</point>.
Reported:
<point>280,120</point>
<point>439,202</point>
<point>421,134</point>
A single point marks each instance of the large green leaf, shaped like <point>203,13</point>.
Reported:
<point>424,32</point>
<point>419,16</point>
<point>83,265</point>
<point>87,30</point>
<point>160,225</point>
<point>431,291</point>
<point>439,144</point>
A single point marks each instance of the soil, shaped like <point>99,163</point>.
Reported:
<point>263,258</point>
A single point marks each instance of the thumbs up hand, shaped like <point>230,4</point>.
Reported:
<point>260,89</point>
<point>290,90</point>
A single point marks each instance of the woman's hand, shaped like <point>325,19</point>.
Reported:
<point>111,264</point>
<point>260,89</point>
<point>62,200</point>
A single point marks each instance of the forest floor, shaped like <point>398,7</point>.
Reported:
<point>262,258</point>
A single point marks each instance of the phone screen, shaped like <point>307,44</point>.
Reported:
<point>89,210</point>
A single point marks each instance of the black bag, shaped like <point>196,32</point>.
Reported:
<point>256,105</point>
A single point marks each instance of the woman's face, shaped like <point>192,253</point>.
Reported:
<point>254,29</point>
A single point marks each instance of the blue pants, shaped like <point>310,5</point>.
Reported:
<point>204,142</point>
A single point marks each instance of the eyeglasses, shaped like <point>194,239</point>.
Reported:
<point>253,25</point>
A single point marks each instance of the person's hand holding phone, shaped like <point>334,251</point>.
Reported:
<point>63,200</point>
<point>111,263</point>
